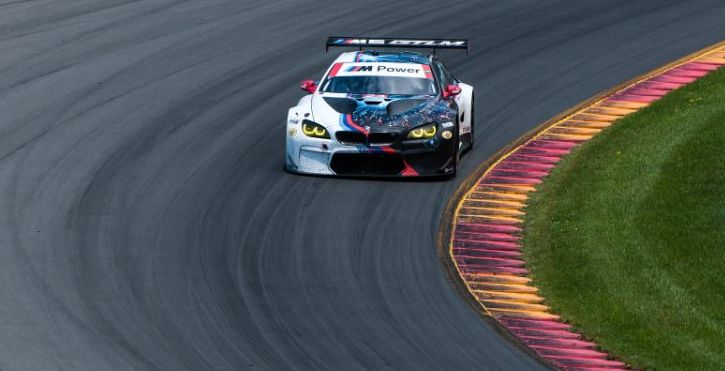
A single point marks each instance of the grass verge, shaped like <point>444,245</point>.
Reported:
<point>626,237</point>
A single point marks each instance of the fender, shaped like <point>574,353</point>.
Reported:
<point>465,103</point>
<point>303,109</point>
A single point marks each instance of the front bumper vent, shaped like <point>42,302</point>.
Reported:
<point>367,164</point>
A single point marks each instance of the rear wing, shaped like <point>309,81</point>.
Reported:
<point>385,42</point>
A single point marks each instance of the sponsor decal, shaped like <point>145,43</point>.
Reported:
<point>398,69</point>
<point>431,43</point>
<point>360,68</point>
<point>401,42</point>
<point>447,124</point>
<point>381,69</point>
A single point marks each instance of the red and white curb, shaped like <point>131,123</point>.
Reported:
<point>484,244</point>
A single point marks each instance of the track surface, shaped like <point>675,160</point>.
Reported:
<point>146,222</point>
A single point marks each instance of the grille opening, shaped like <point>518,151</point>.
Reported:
<point>352,137</point>
<point>378,138</point>
<point>367,164</point>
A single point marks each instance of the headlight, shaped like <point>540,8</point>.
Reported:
<point>423,132</point>
<point>315,130</point>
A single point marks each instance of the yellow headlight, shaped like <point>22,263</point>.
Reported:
<point>312,129</point>
<point>423,132</point>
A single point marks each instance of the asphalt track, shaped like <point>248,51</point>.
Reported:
<point>146,222</point>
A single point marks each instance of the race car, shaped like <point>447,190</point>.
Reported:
<point>382,113</point>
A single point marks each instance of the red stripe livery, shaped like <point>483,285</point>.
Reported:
<point>335,69</point>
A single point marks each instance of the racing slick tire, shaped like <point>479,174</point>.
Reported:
<point>473,121</point>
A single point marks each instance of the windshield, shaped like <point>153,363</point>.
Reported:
<point>393,85</point>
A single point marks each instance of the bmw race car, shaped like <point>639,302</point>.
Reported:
<point>382,113</point>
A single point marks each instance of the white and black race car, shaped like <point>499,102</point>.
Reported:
<point>382,113</point>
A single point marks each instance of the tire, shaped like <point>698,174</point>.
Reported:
<point>459,151</point>
<point>473,121</point>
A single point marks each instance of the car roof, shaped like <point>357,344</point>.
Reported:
<point>384,56</point>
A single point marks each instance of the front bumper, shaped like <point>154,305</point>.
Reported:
<point>425,157</point>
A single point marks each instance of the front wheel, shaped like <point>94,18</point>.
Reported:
<point>473,121</point>
<point>459,151</point>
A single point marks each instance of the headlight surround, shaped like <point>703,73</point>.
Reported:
<point>426,131</point>
<point>315,130</point>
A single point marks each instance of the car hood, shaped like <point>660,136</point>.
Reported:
<point>380,112</point>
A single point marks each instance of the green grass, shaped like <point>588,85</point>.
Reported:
<point>626,237</point>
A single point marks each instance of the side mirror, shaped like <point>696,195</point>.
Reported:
<point>308,86</point>
<point>451,91</point>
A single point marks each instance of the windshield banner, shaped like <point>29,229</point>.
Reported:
<point>382,69</point>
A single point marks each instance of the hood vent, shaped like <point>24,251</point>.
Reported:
<point>342,105</point>
<point>403,105</point>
